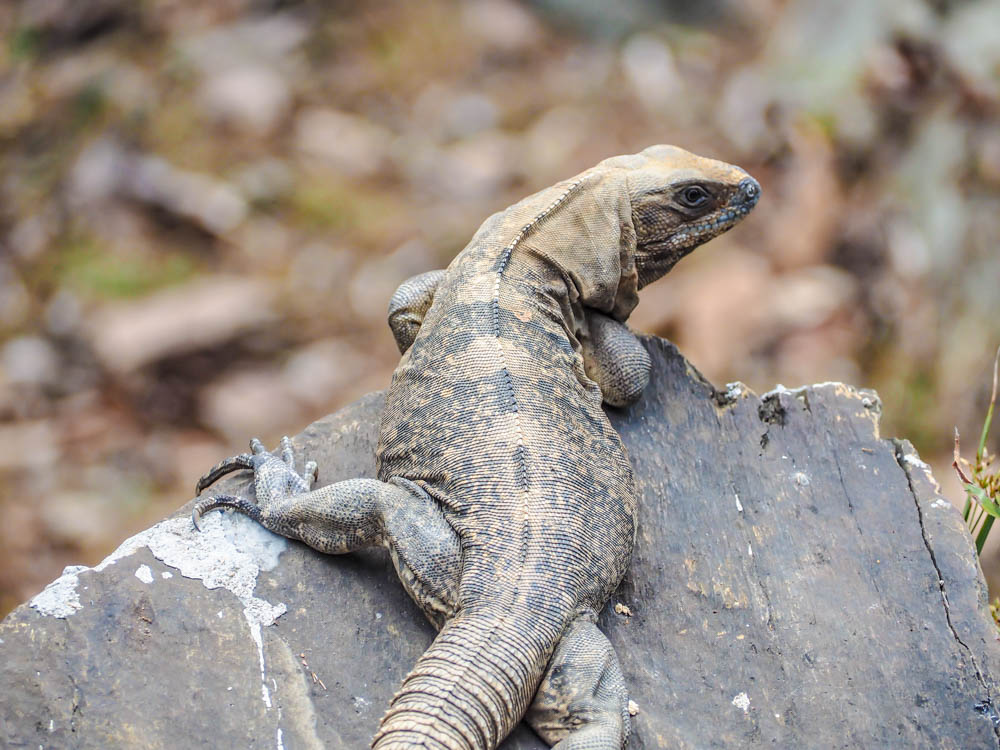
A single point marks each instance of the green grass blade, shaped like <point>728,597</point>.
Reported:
<point>986,431</point>
<point>985,501</point>
<point>989,412</point>
<point>983,533</point>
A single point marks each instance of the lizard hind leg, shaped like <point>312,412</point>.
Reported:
<point>582,701</point>
<point>426,552</point>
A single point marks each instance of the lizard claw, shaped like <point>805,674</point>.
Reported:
<point>227,466</point>
<point>242,461</point>
<point>232,502</point>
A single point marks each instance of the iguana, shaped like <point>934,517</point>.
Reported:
<point>504,496</point>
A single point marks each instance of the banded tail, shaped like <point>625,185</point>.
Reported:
<point>474,683</point>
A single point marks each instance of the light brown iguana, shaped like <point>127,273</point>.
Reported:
<point>504,496</point>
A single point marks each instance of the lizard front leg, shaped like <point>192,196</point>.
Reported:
<point>350,515</point>
<point>409,305</point>
<point>615,360</point>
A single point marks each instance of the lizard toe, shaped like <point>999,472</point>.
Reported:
<point>222,502</point>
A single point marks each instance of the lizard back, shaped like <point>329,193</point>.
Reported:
<point>491,412</point>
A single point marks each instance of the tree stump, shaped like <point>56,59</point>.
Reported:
<point>797,582</point>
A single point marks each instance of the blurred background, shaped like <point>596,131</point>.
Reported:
<point>205,206</point>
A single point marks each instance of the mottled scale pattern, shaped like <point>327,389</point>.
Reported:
<point>503,493</point>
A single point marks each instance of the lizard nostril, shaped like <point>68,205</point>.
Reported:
<point>750,189</point>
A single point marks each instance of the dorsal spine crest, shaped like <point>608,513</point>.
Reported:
<point>520,459</point>
<point>570,189</point>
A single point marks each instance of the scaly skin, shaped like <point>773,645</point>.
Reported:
<point>504,496</point>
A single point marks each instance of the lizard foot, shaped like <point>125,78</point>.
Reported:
<point>275,480</point>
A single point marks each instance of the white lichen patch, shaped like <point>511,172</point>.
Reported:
<point>801,479</point>
<point>778,390</point>
<point>913,459</point>
<point>60,598</point>
<point>940,503</point>
<point>144,574</point>
<point>229,552</point>
<point>742,702</point>
<point>735,390</point>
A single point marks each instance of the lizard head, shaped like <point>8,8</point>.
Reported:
<point>679,201</point>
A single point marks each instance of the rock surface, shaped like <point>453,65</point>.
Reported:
<point>797,582</point>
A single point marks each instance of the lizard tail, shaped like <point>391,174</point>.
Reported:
<point>473,684</point>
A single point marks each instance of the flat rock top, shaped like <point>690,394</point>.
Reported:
<point>797,582</point>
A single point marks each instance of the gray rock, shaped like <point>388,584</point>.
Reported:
<point>350,144</point>
<point>29,360</point>
<point>502,24</point>
<point>269,39</point>
<point>15,303</point>
<point>651,72</point>
<point>797,582</point>
<point>254,98</point>
<point>265,180</point>
<point>473,168</point>
<point>131,334</point>
<point>968,38</point>
<point>212,204</point>
<point>106,170</point>
<point>98,172</point>
<point>469,114</point>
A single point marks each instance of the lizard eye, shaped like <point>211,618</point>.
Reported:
<point>693,196</point>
